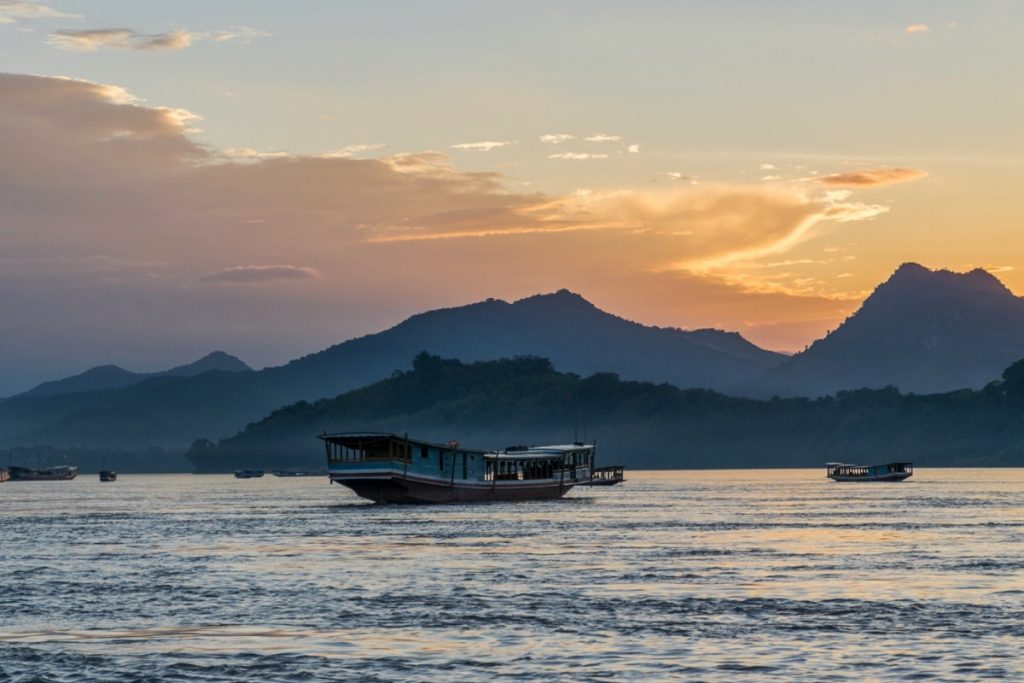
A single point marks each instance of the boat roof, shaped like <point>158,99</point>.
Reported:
<point>358,439</point>
<point>850,464</point>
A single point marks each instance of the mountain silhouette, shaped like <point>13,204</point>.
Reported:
<point>562,326</point>
<point>114,377</point>
<point>921,331</point>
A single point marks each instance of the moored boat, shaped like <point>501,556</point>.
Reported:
<point>4,474</point>
<point>893,471</point>
<point>248,474</point>
<point>299,473</point>
<point>60,473</point>
<point>108,475</point>
<point>389,468</point>
<point>609,475</point>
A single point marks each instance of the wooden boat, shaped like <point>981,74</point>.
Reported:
<point>60,473</point>
<point>608,476</point>
<point>893,471</point>
<point>108,475</point>
<point>299,473</point>
<point>248,474</point>
<point>389,468</point>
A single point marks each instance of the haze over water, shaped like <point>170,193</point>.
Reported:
<point>738,575</point>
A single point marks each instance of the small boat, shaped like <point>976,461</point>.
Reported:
<point>108,475</point>
<point>60,473</point>
<point>299,473</point>
<point>389,468</point>
<point>893,471</point>
<point>607,476</point>
<point>4,474</point>
<point>248,474</point>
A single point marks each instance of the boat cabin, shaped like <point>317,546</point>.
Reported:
<point>893,471</point>
<point>609,475</point>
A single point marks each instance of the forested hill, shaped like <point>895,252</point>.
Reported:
<point>493,404</point>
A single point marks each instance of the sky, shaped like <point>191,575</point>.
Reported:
<point>271,178</point>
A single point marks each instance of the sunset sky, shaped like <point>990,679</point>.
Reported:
<point>270,178</point>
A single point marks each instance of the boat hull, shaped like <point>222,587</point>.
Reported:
<point>891,476</point>
<point>108,475</point>
<point>413,490</point>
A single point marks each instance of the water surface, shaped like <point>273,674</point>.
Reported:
<point>719,576</point>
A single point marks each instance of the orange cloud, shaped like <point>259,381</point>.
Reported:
<point>91,40</point>
<point>872,177</point>
<point>87,170</point>
<point>918,28</point>
<point>256,275</point>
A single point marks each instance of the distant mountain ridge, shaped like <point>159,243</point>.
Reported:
<point>563,326</point>
<point>114,377</point>
<point>921,331</point>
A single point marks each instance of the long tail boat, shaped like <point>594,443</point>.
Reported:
<point>892,471</point>
<point>61,473</point>
<point>392,468</point>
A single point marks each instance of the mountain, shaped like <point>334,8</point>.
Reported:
<point>562,326</point>
<point>922,331</point>
<point>491,404</point>
<point>113,377</point>
<point>217,360</point>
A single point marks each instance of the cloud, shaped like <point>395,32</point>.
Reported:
<point>918,28</point>
<point>234,34</point>
<point>87,169</point>
<point>872,177</point>
<point>486,146</point>
<point>258,275</point>
<point>676,175</point>
<point>92,40</point>
<point>556,138</point>
<point>249,153</point>
<point>352,150</point>
<point>633,149</point>
<point>603,137</point>
<point>12,11</point>
<point>579,156</point>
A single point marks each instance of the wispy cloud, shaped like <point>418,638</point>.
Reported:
<point>633,149</point>
<point>91,40</point>
<point>485,146</point>
<point>352,150</point>
<point>872,177</point>
<point>249,153</point>
<point>259,275</point>
<point>676,175</point>
<point>13,11</point>
<point>918,28</point>
<point>578,156</point>
<point>556,138</point>
<point>603,137</point>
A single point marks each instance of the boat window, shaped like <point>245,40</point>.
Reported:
<point>423,452</point>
